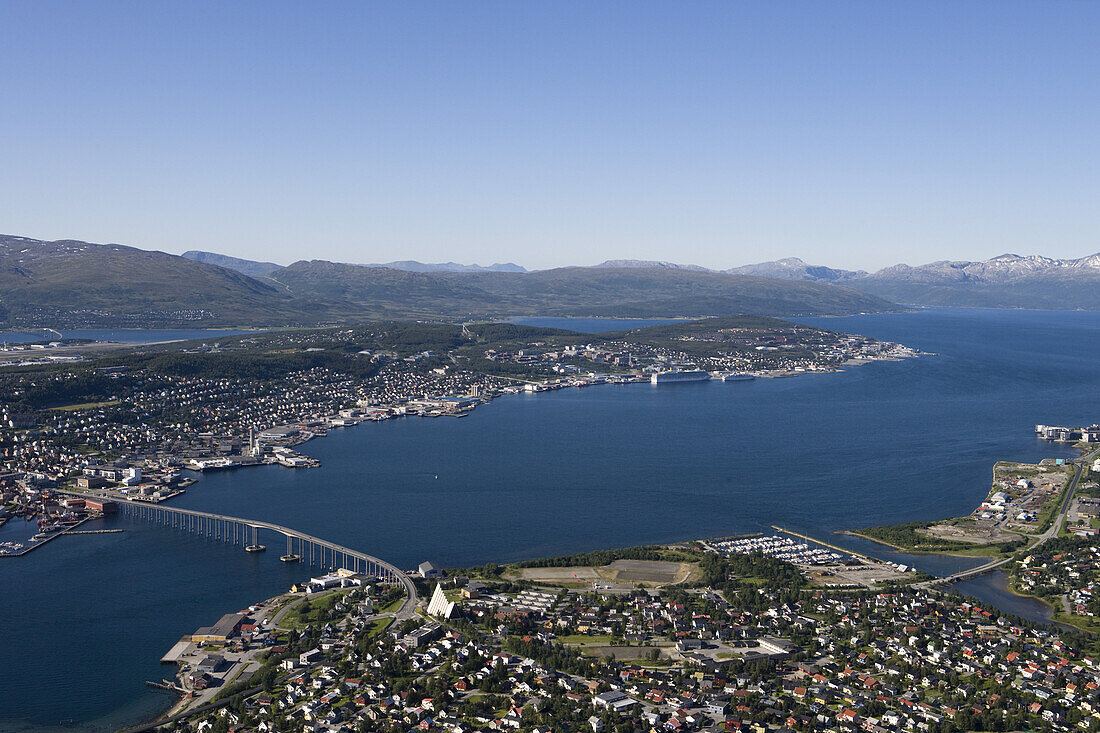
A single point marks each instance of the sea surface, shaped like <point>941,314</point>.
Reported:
<point>87,617</point>
<point>118,335</point>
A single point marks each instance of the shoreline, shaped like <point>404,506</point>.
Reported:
<point>906,550</point>
<point>183,701</point>
<point>181,704</point>
<point>612,380</point>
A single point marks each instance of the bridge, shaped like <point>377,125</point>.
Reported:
<point>246,532</point>
<point>963,574</point>
<point>1055,528</point>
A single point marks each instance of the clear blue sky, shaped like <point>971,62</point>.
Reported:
<point>855,134</point>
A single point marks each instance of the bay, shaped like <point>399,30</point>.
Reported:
<point>561,472</point>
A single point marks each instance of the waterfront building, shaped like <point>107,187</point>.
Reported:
<point>227,626</point>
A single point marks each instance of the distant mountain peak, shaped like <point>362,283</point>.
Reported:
<point>252,268</point>
<point>414,266</point>
<point>794,268</point>
<point>651,263</point>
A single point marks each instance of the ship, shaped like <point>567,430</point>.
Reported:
<point>738,377</point>
<point>687,375</point>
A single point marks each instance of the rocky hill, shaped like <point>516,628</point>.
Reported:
<point>1007,281</point>
<point>70,283</point>
<point>792,268</point>
<point>252,268</point>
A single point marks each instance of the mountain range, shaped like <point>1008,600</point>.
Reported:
<point>414,266</point>
<point>259,269</point>
<point>1006,281</point>
<point>252,268</point>
<point>568,291</point>
<point>71,283</point>
<point>75,283</point>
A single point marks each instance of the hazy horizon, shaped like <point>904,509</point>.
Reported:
<point>856,135</point>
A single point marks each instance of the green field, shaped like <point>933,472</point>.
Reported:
<point>310,610</point>
<point>85,406</point>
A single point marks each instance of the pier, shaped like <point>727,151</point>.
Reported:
<point>34,545</point>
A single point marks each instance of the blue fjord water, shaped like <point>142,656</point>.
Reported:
<point>86,618</point>
<point>119,335</point>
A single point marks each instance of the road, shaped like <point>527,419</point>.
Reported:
<point>1052,531</point>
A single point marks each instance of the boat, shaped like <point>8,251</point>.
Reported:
<point>676,375</point>
<point>738,377</point>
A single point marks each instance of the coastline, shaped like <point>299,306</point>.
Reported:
<point>614,380</point>
<point>180,706</point>
<point>484,419</point>
<point>906,550</point>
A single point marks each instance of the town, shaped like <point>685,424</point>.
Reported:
<point>141,424</point>
<point>748,644</point>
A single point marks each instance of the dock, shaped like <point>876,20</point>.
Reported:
<point>178,650</point>
<point>837,548</point>
<point>35,545</point>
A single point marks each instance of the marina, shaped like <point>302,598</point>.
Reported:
<point>19,549</point>
<point>782,548</point>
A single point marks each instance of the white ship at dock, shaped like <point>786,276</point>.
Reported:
<point>677,375</point>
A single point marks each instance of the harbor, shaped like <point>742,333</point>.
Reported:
<point>825,564</point>
<point>40,539</point>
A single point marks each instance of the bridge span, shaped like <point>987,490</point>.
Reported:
<point>246,532</point>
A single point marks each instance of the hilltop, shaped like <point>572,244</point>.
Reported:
<point>74,283</point>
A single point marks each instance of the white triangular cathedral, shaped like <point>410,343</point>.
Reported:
<point>439,605</point>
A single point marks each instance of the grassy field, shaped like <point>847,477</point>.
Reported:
<point>640,572</point>
<point>379,625</point>
<point>85,406</point>
<point>586,639</point>
<point>308,612</point>
<point>632,653</point>
<point>916,543</point>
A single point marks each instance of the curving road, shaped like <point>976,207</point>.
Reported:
<point>1052,531</point>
